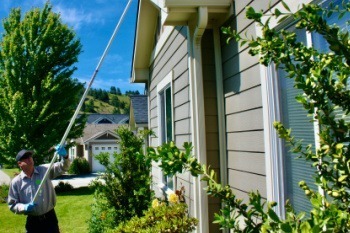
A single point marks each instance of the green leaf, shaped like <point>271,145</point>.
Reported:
<point>285,6</point>
<point>283,19</point>
<point>277,12</point>
<point>251,14</point>
<point>305,227</point>
<point>273,215</point>
<point>285,227</point>
<point>342,178</point>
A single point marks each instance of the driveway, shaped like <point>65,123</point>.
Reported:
<point>4,178</point>
<point>76,181</point>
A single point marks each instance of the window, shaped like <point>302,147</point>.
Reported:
<point>282,93</point>
<point>103,148</point>
<point>97,148</point>
<point>109,148</point>
<point>165,115</point>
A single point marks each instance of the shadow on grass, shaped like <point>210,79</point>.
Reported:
<point>77,192</point>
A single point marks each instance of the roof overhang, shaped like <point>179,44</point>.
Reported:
<point>146,25</point>
<point>99,134</point>
<point>180,12</point>
<point>172,13</point>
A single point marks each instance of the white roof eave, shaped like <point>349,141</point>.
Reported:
<point>173,12</point>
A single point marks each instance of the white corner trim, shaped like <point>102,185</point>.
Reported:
<point>273,144</point>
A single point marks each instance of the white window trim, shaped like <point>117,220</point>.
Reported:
<point>271,112</point>
<point>273,144</point>
<point>166,81</point>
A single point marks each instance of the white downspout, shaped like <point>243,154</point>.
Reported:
<point>198,115</point>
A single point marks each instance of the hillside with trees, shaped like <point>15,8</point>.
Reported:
<point>108,102</point>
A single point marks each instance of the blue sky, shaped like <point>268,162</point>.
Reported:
<point>94,22</point>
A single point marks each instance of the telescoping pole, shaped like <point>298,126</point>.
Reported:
<point>83,98</point>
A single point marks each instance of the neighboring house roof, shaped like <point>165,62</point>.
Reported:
<point>94,129</point>
<point>140,108</point>
<point>99,124</point>
<point>108,134</point>
<point>91,130</point>
<point>107,119</point>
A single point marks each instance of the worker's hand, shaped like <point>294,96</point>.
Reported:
<point>29,207</point>
<point>61,151</point>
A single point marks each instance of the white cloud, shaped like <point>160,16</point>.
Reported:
<point>75,17</point>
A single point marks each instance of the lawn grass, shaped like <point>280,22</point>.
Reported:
<point>11,172</point>
<point>73,209</point>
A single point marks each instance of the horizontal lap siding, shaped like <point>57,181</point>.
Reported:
<point>244,181</point>
<point>173,57</point>
<point>243,110</point>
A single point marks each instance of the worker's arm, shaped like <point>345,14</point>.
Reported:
<point>18,202</point>
<point>62,166</point>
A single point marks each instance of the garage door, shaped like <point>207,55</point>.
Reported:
<point>98,148</point>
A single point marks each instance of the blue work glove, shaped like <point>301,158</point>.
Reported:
<point>29,207</point>
<point>61,151</point>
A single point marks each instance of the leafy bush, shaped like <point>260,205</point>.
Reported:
<point>163,216</point>
<point>4,190</point>
<point>123,191</point>
<point>102,214</point>
<point>63,187</point>
<point>79,166</point>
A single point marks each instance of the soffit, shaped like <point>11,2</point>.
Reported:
<point>173,12</point>
<point>180,12</point>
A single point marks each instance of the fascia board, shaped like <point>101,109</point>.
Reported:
<point>196,3</point>
<point>146,23</point>
<point>93,138</point>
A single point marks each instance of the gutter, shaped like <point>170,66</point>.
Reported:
<point>198,114</point>
<point>135,38</point>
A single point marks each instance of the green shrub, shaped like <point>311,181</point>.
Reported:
<point>161,217</point>
<point>102,214</point>
<point>123,191</point>
<point>4,190</point>
<point>63,187</point>
<point>79,166</point>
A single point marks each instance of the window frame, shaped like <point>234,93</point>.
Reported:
<point>165,84</point>
<point>275,168</point>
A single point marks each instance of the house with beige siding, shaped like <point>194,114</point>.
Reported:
<point>202,90</point>
<point>99,136</point>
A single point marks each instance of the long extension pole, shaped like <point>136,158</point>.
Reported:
<point>83,98</point>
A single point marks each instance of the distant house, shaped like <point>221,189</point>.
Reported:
<point>138,112</point>
<point>99,136</point>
